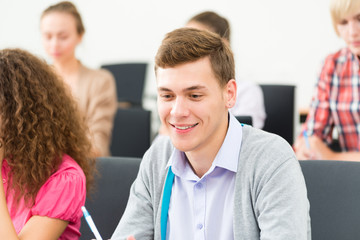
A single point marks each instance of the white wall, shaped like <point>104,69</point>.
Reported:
<point>274,41</point>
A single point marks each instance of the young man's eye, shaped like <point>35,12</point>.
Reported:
<point>166,96</point>
<point>195,96</point>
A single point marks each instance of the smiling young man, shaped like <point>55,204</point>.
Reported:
<point>212,178</point>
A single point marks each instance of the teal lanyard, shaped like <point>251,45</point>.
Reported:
<point>166,202</point>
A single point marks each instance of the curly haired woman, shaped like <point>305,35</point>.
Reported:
<point>44,148</point>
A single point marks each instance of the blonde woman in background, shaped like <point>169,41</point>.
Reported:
<point>62,31</point>
<point>336,102</point>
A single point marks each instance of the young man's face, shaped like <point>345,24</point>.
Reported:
<point>193,107</point>
<point>349,30</point>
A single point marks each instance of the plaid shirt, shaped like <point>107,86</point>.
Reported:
<point>336,102</point>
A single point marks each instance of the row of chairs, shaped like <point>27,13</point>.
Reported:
<point>279,103</point>
<point>130,81</point>
<point>131,135</point>
<point>131,132</point>
<point>333,191</point>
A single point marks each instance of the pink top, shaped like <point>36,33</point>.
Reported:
<point>60,197</point>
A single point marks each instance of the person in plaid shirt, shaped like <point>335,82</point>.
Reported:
<point>336,102</point>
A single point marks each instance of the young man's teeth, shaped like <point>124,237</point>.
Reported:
<point>185,127</point>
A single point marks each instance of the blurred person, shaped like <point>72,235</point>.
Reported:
<point>62,31</point>
<point>44,152</point>
<point>336,101</point>
<point>250,99</point>
<point>212,177</point>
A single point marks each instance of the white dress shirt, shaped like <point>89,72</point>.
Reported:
<point>202,208</point>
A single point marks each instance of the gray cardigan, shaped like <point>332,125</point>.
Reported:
<point>270,193</point>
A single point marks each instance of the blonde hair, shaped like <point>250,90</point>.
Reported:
<point>340,8</point>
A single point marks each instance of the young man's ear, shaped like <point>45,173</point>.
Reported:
<point>230,94</point>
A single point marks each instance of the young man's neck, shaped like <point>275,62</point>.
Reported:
<point>201,160</point>
<point>200,164</point>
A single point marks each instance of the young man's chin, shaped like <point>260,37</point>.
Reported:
<point>182,145</point>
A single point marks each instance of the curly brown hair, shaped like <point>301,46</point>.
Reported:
<point>186,45</point>
<point>39,123</point>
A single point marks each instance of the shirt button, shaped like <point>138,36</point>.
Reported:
<point>4,180</point>
<point>199,226</point>
<point>199,185</point>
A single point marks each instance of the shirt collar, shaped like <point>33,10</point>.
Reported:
<point>347,55</point>
<point>227,157</point>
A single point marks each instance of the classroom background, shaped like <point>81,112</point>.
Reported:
<point>274,42</point>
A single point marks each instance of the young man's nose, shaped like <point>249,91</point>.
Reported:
<point>179,108</point>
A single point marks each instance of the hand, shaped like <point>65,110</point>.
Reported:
<point>302,151</point>
<point>130,238</point>
<point>318,149</point>
<point>322,151</point>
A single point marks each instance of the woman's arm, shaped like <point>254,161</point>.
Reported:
<point>319,120</point>
<point>7,230</point>
<point>101,110</point>
<point>37,228</point>
<point>320,151</point>
<point>323,152</point>
<point>42,228</point>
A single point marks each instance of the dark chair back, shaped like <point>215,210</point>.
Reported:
<point>244,119</point>
<point>131,132</point>
<point>130,80</point>
<point>279,103</point>
<point>109,200</point>
<point>334,194</point>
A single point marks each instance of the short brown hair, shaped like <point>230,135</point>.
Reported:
<point>186,45</point>
<point>67,7</point>
<point>40,122</point>
<point>214,22</point>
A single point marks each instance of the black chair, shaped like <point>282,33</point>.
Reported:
<point>244,119</point>
<point>131,132</point>
<point>130,80</point>
<point>109,200</point>
<point>279,103</point>
<point>334,194</point>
